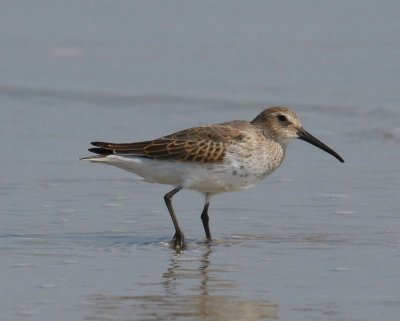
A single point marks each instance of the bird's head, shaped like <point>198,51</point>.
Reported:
<point>283,125</point>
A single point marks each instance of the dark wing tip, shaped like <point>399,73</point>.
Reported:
<point>99,144</point>
<point>101,151</point>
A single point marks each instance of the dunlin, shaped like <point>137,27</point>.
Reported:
<point>210,159</point>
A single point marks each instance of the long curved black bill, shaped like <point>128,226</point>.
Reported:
<point>306,136</point>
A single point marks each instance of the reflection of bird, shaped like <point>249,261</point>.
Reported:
<point>210,159</point>
<point>192,292</point>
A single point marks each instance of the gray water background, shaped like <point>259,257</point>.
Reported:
<point>317,240</point>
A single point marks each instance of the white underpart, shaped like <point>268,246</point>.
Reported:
<point>232,175</point>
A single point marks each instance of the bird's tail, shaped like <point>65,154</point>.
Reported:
<point>101,152</point>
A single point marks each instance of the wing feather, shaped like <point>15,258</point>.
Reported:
<point>200,144</point>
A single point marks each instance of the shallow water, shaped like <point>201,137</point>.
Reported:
<point>317,240</point>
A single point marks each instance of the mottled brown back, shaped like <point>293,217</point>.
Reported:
<point>200,144</point>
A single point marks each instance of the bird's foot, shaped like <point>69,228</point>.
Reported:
<point>178,241</point>
<point>209,240</point>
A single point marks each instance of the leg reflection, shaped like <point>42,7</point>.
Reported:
<point>193,287</point>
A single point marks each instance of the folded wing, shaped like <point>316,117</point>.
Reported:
<point>201,144</point>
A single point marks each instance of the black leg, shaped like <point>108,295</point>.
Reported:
<point>179,239</point>
<point>204,218</point>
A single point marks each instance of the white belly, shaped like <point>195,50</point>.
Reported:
<point>202,177</point>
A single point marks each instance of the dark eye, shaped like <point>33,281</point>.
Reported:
<point>282,118</point>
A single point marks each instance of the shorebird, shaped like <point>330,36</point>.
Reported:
<point>210,159</point>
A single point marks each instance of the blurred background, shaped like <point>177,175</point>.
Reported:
<point>318,240</point>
